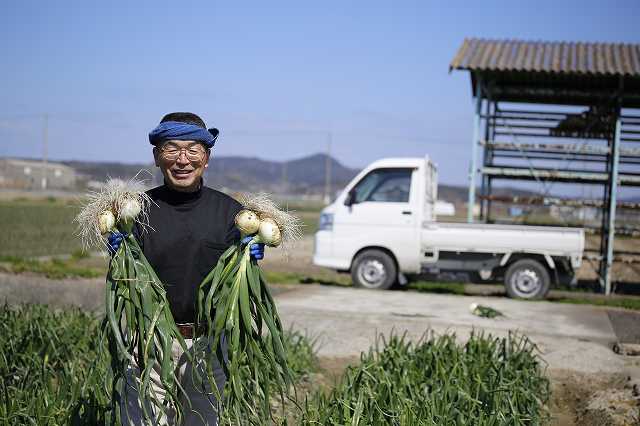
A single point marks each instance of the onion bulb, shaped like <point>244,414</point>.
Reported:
<point>247,222</point>
<point>129,209</point>
<point>106,221</point>
<point>269,233</point>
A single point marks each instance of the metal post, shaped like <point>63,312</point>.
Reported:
<point>491,123</point>
<point>612,204</point>
<point>485,156</point>
<point>327,172</point>
<point>285,184</point>
<point>474,149</point>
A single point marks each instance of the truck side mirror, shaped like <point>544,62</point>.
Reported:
<point>351,198</point>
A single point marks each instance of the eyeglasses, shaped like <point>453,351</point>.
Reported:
<point>193,152</point>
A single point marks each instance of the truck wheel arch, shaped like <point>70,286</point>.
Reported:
<point>509,258</point>
<point>384,249</point>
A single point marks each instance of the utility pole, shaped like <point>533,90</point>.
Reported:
<point>284,178</point>
<point>327,171</point>
<point>45,153</point>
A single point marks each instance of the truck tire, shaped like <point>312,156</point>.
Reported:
<point>373,269</point>
<point>527,279</point>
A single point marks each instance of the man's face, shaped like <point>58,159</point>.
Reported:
<point>182,163</point>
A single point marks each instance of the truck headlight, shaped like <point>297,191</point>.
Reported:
<point>326,222</point>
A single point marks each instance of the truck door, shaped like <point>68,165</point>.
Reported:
<point>383,210</point>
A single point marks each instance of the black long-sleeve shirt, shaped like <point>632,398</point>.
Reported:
<point>189,231</point>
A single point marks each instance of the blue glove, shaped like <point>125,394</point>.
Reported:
<point>256,251</point>
<point>114,240</point>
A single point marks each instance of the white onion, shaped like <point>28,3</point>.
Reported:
<point>247,222</point>
<point>269,232</point>
<point>129,209</point>
<point>473,307</point>
<point>106,221</point>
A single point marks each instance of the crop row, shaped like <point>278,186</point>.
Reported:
<point>51,374</point>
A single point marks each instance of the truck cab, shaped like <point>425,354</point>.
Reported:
<point>382,229</point>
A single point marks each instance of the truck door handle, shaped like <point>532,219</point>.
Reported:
<point>406,212</point>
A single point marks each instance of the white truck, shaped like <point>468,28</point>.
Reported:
<point>382,229</point>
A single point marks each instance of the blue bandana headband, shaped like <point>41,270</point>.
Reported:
<point>177,130</point>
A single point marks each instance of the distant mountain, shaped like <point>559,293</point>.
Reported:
<point>301,176</point>
<point>100,171</point>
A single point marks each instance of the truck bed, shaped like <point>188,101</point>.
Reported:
<point>489,238</point>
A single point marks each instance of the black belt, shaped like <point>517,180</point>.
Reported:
<point>189,331</point>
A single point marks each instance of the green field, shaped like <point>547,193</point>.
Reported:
<point>307,211</point>
<point>38,228</point>
<point>45,227</point>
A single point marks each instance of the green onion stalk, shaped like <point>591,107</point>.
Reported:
<point>138,324</point>
<point>235,304</point>
<point>484,311</point>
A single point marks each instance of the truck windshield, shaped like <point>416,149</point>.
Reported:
<point>384,185</point>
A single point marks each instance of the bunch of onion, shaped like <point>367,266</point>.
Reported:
<point>138,324</point>
<point>235,304</point>
<point>484,311</point>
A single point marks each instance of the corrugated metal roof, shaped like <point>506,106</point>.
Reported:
<point>552,57</point>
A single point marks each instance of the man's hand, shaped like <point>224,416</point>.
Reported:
<point>256,251</point>
<point>114,240</point>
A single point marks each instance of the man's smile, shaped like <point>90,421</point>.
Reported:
<point>181,174</point>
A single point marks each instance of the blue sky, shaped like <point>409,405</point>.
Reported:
<point>274,77</point>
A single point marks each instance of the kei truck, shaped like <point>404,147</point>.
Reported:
<point>382,229</point>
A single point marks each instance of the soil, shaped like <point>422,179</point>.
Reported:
<point>592,400</point>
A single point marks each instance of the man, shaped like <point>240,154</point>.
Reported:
<point>191,226</point>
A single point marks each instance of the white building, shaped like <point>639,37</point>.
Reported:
<point>445,208</point>
<point>28,174</point>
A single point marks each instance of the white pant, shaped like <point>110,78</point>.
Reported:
<point>203,408</point>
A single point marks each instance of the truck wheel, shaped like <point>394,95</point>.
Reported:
<point>373,269</point>
<point>527,279</point>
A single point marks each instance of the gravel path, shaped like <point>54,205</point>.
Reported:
<point>87,294</point>
<point>346,322</point>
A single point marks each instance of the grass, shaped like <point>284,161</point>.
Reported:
<point>280,277</point>
<point>614,302</point>
<point>309,221</point>
<point>51,372</point>
<point>48,367</point>
<point>487,381</point>
<point>37,228</point>
<point>56,268</point>
<point>437,287</point>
